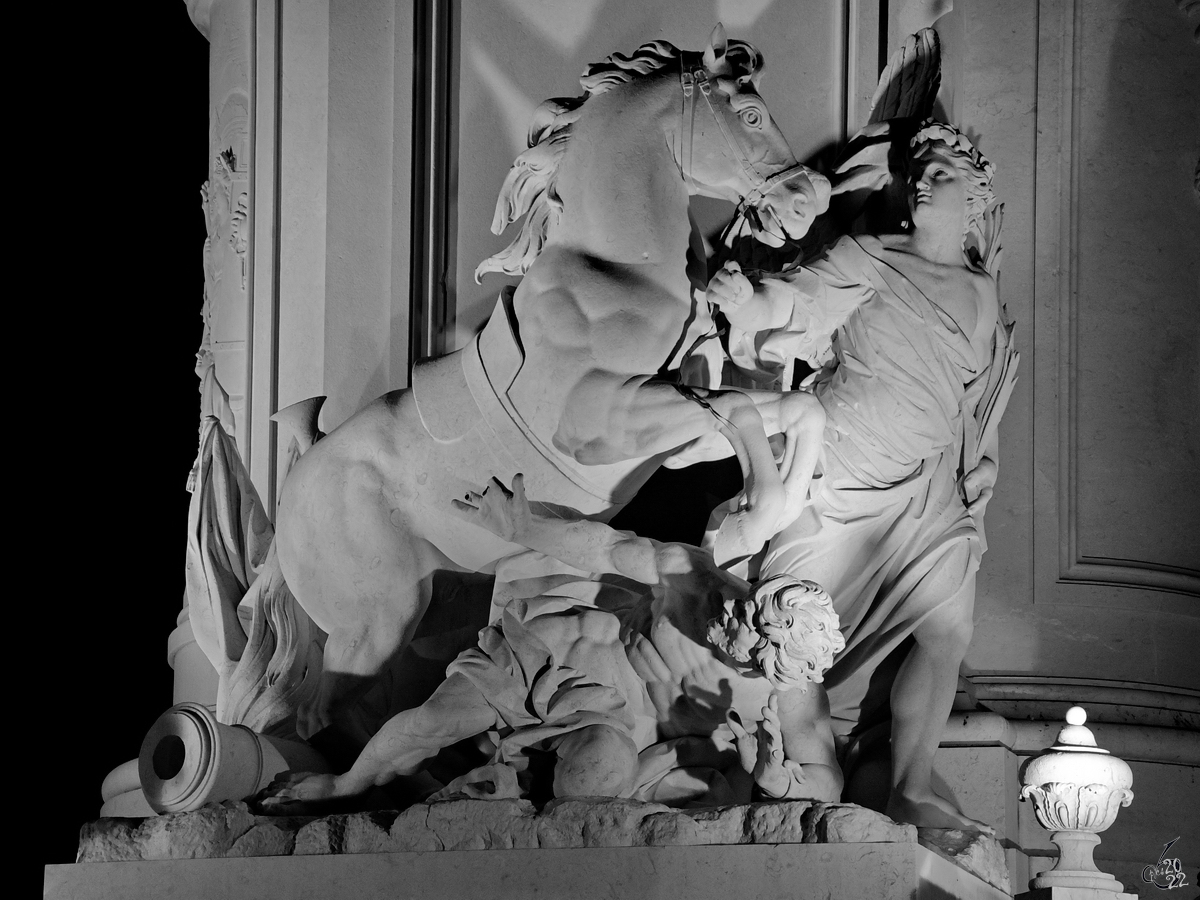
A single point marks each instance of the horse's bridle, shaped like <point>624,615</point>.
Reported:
<point>693,75</point>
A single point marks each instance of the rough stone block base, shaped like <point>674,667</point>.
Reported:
<point>903,871</point>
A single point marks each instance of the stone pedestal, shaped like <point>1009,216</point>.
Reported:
<point>780,872</point>
<point>1066,893</point>
<point>977,767</point>
<point>504,849</point>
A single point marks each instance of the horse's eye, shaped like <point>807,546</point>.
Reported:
<point>751,117</point>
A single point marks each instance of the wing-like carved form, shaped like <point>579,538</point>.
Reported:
<point>905,96</point>
<point>909,84</point>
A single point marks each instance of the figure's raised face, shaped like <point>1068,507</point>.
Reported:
<point>938,192</point>
<point>948,176</point>
<point>731,147</point>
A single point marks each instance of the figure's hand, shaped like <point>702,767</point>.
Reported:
<point>503,512</point>
<point>729,288</point>
<point>747,743</point>
<point>976,487</point>
<point>762,755</point>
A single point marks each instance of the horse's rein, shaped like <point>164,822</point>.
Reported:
<point>696,76</point>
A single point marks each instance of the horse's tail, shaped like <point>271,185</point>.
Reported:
<point>530,189</point>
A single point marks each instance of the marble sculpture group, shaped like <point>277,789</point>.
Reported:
<point>849,348</point>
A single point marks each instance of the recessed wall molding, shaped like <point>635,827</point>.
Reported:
<point>1077,485</point>
<point>1111,701</point>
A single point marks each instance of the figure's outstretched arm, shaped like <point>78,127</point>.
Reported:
<point>590,546</point>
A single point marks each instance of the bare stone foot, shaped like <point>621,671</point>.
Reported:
<point>291,793</point>
<point>933,811</point>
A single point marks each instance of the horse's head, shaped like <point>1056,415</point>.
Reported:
<point>729,147</point>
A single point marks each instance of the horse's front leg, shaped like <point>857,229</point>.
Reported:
<point>609,418</point>
<point>764,505</point>
<point>797,417</point>
<point>800,418</point>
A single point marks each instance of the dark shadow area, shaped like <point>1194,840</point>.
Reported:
<point>114,326</point>
<point>674,504</point>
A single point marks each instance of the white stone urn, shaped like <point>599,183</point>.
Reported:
<point>1076,789</point>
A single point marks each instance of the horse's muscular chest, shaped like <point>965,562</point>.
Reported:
<point>627,317</point>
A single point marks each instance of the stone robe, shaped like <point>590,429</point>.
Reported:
<point>910,408</point>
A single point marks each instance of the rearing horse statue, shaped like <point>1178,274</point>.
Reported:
<point>565,383</point>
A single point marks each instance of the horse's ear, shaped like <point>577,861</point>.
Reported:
<point>743,63</point>
<point>714,55</point>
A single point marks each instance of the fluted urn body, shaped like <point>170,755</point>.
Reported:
<point>1076,789</point>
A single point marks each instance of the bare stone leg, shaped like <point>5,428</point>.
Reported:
<point>611,418</point>
<point>404,745</point>
<point>921,698</point>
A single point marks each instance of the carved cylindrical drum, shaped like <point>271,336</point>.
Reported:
<point>188,759</point>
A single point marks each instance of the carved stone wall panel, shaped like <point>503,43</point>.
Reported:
<point>343,204</point>
<point>990,87</point>
<point>512,55</point>
<point>1043,606</point>
<point>264,254</point>
<point>359,225</point>
<point>1135,260</point>
<point>1117,296</point>
<point>303,196</point>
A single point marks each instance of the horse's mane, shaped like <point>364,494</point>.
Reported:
<point>530,187</point>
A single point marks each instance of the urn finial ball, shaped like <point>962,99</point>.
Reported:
<point>1075,735</point>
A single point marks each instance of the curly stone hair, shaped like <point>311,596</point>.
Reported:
<point>796,627</point>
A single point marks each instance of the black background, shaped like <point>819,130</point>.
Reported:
<point>106,283</point>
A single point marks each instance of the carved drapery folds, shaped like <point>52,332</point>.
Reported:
<point>265,648</point>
